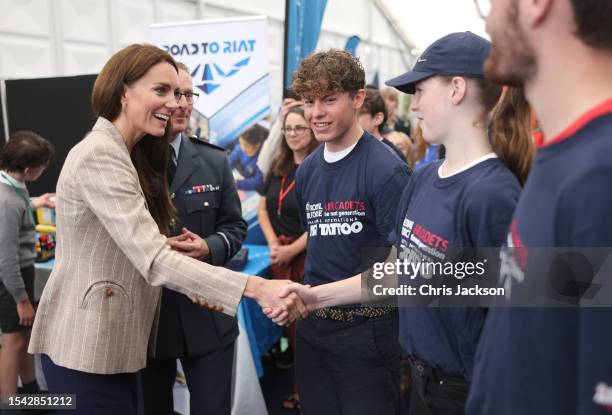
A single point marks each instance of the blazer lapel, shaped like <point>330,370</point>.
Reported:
<point>187,164</point>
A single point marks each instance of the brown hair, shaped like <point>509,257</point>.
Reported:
<point>150,154</point>
<point>283,163</point>
<point>592,18</point>
<point>326,72</point>
<point>373,104</point>
<point>25,149</point>
<point>420,145</point>
<point>255,135</point>
<point>508,119</point>
<point>510,132</point>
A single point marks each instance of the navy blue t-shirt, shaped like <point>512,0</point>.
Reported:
<point>550,361</point>
<point>348,206</point>
<point>472,208</point>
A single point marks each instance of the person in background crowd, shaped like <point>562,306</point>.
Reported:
<point>404,144</point>
<point>393,122</point>
<point>372,117</point>
<point>268,150</point>
<point>420,145</point>
<point>208,211</point>
<point>244,158</point>
<point>97,312</point>
<point>554,360</point>
<point>347,359</point>
<point>465,200</point>
<point>278,212</point>
<point>22,159</point>
<point>424,152</point>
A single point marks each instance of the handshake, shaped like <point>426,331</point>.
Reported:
<point>282,301</point>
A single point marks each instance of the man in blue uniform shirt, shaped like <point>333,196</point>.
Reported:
<point>210,217</point>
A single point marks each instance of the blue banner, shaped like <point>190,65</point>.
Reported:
<point>351,44</point>
<point>375,81</point>
<point>303,25</point>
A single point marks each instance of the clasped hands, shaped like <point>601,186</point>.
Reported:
<point>281,300</point>
<point>282,255</point>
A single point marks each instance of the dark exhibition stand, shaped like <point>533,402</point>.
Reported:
<point>58,109</point>
<point>2,135</point>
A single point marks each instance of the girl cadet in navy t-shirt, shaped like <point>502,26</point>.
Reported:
<point>465,200</point>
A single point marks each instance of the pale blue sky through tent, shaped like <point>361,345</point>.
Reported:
<point>427,20</point>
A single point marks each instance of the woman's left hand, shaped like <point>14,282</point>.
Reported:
<point>282,255</point>
<point>190,244</point>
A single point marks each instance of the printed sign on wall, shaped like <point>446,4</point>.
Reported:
<point>228,60</point>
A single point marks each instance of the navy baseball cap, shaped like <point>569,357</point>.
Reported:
<point>457,54</point>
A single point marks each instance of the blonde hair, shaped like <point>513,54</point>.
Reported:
<point>408,152</point>
<point>389,93</point>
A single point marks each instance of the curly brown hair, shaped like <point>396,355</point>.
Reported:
<point>326,72</point>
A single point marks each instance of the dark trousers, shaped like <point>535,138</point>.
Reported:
<point>436,393</point>
<point>349,368</point>
<point>209,379</point>
<point>96,394</point>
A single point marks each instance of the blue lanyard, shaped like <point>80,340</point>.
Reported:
<point>23,195</point>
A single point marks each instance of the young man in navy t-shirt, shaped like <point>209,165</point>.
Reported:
<point>347,358</point>
<point>553,360</point>
<point>373,118</point>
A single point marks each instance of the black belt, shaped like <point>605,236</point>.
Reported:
<point>353,313</point>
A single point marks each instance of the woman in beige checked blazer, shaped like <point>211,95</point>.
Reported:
<point>98,310</point>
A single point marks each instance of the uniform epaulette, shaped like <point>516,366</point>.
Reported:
<point>195,138</point>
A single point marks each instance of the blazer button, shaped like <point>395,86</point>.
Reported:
<point>109,292</point>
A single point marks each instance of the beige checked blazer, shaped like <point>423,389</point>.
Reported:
<point>101,302</point>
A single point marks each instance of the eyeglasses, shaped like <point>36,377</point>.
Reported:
<point>298,129</point>
<point>483,8</point>
<point>190,97</point>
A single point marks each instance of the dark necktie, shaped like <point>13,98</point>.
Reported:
<point>171,166</point>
